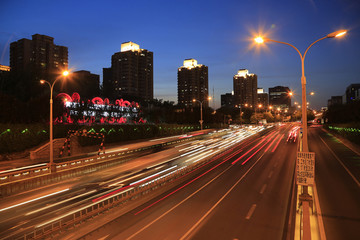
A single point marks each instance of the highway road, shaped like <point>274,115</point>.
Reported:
<point>25,211</point>
<point>337,176</point>
<point>243,195</point>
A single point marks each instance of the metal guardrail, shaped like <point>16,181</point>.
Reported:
<point>88,212</point>
<point>24,174</point>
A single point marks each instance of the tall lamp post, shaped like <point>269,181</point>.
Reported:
<point>52,166</point>
<point>305,147</point>
<point>201,114</point>
<point>240,112</point>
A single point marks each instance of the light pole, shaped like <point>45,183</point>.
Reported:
<point>52,166</point>
<point>305,147</point>
<point>240,112</point>
<point>201,115</point>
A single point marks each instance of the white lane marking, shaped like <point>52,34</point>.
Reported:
<point>270,174</point>
<point>348,171</point>
<point>276,163</point>
<point>348,146</point>
<point>103,238</point>
<point>263,188</point>
<point>32,200</point>
<point>220,200</point>
<point>319,215</point>
<point>251,211</point>
<point>148,225</point>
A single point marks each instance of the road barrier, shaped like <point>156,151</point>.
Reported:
<point>19,180</point>
<point>72,219</point>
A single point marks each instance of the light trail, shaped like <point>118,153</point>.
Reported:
<point>151,176</point>
<point>217,157</point>
<point>277,144</point>
<point>22,168</point>
<point>117,150</point>
<point>271,143</point>
<point>193,151</point>
<point>77,210</point>
<point>197,156</point>
<point>251,149</point>
<point>55,204</point>
<point>35,199</point>
<point>255,152</point>
<point>176,190</point>
<point>212,153</point>
<point>158,139</point>
<point>127,179</point>
<point>188,148</point>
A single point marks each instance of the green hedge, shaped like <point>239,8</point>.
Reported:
<point>350,131</point>
<point>19,137</point>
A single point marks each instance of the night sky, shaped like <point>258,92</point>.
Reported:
<point>216,33</point>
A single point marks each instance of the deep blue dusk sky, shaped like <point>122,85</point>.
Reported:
<point>216,33</point>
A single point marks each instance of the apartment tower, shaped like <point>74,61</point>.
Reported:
<point>192,83</point>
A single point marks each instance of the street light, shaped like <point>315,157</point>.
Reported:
<point>259,108</point>
<point>305,147</point>
<point>52,166</point>
<point>201,115</point>
<point>240,112</point>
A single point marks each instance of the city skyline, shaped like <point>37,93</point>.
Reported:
<point>215,34</point>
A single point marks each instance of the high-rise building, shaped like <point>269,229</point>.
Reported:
<point>227,100</point>
<point>263,98</point>
<point>245,88</point>
<point>335,100</point>
<point>352,92</point>
<point>82,82</point>
<point>192,83</point>
<point>131,72</point>
<point>279,97</point>
<point>4,73</point>
<point>39,55</point>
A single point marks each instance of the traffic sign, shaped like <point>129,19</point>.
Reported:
<point>305,168</point>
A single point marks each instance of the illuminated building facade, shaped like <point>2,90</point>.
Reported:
<point>263,98</point>
<point>192,83</point>
<point>279,97</point>
<point>245,88</point>
<point>40,55</point>
<point>4,68</point>
<point>4,73</point>
<point>131,73</point>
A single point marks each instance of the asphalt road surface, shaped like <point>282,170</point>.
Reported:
<point>245,195</point>
<point>337,180</point>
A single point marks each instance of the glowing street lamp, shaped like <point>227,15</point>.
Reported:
<point>201,115</point>
<point>304,137</point>
<point>52,166</point>
<point>260,40</point>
